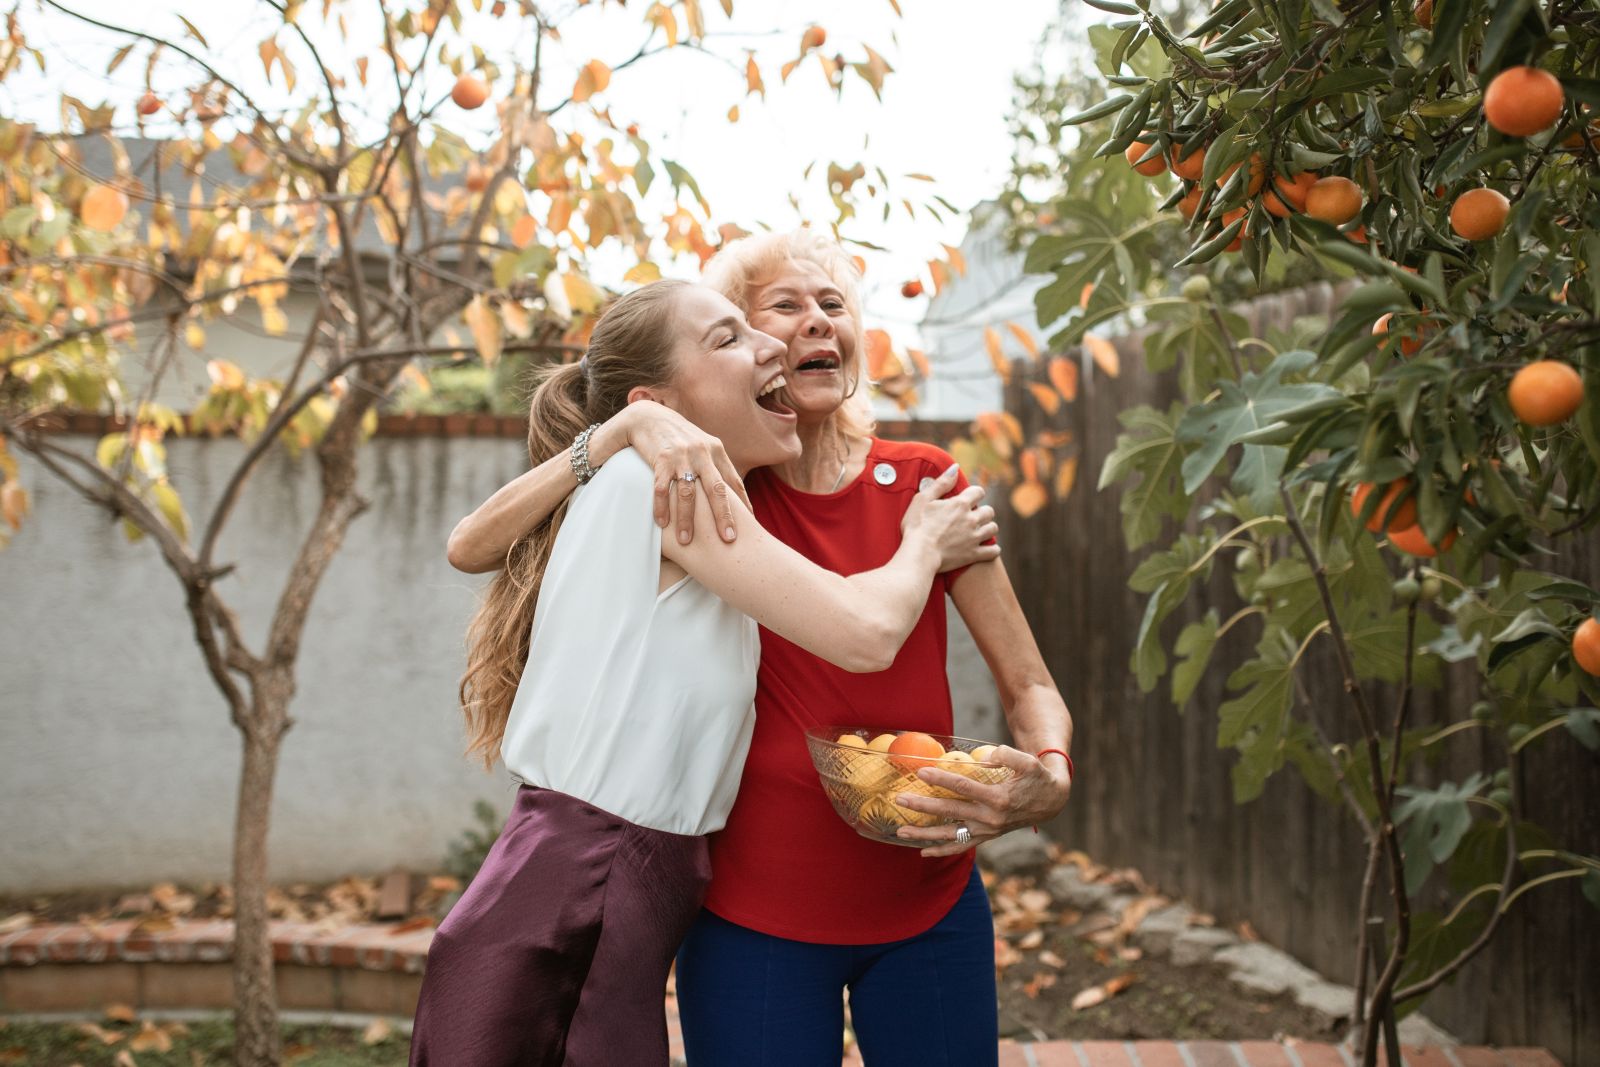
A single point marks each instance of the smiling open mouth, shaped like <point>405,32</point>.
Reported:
<point>768,400</point>
<point>825,362</point>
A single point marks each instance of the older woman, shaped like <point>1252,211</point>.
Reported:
<point>801,909</point>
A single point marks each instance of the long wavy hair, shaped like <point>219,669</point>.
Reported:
<point>631,347</point>
<point>746,265</point>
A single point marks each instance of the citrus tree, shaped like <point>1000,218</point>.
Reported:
<point>428,178</point>
<point>1399,486</point>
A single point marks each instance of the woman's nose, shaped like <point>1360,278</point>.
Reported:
<point>817,321</point>
<point>769,348</point>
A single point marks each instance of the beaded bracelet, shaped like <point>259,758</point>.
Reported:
<point>580,454</point>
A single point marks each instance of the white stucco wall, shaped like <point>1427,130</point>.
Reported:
<point>118,765</point>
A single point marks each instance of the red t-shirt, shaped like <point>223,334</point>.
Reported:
<point>786,864</point>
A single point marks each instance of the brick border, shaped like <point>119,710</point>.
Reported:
<point>367,969</point>
<point>511,427</point>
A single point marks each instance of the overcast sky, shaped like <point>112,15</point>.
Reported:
<point>943,110</point>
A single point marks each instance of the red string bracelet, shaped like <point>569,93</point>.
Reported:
<point>1072,775</point>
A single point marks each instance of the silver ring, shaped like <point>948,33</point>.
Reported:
<point>687,477</point>
<point>963,835</point>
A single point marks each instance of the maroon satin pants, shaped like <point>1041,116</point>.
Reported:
<point>557,954</point>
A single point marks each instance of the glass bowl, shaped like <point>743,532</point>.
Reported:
<point>862,782</point>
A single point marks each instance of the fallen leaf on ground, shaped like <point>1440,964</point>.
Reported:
<point>1031,940</point>
<point>98,1032</point>
<point>1004,954</point>
<point>1099,994</point>
<point>377,1032</point>
<point>1050,959</point>
<point>1200,918</point>
<point>1038,983</point>
<point>1130,953</point>
<point>151,1038</point>
<point>1248,932</point>
<point>124,1058</point>
<point>120,1013</point>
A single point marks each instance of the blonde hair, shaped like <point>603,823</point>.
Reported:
<point>748,264</point>
<point>631,346</point>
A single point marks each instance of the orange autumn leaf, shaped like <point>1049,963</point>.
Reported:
<point>919,359</point>
<point>1104,354</point>
<point>997,355</point>
<point>958,262</point>
<point>1029,462</point>
<point>1029,498</point>
<point>940,274</point>
<point>593,78</point>
<point>1064,376</point>
<point>1013,427</point>
<point>992,426</point>
<point>1085,294</point>
<point>880,354</point>
<point>752,77</point>
<point>1066,477</point>
<point>1025,339</point>
<point>1047,397</point>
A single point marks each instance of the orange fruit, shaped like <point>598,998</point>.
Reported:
<point>1424,14</point>
<point>469,92</point>
<point>912,750</point>
<point>103,207</point>
<point>1258,174</point>
<point>1522,101</point>
<point>1479,214</point>
<point>1192,163</point>
<point>1586,645</point>
<point>1228,218</point>
<point>1150,167</point>
<point>1358,234</point>
<point>881,743</point>
<point>1545,392</point>
<point>1335,200</point>
<point>149,104</point>
<point>911,289</point>
<point>1405,515</point>
<point>1294,190</point>
<point>1413,542</point>
<point>1190,203</point>
<point>1410,345</point>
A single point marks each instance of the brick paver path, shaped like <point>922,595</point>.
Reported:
<point>384,948</point>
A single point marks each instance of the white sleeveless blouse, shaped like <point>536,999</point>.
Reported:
<point>638,703</point>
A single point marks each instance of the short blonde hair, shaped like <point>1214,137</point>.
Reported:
<point>746,265</point>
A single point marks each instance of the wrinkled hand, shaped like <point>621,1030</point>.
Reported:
<point>672,444</point>
<point>1035,794</point>
<point>957,526</point>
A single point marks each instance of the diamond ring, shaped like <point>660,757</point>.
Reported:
<point>687,477</point>
<point>963,835</point>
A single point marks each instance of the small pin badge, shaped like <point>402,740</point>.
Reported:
<point>883,474</point>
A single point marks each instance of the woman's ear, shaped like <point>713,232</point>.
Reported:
<point>647,392</point>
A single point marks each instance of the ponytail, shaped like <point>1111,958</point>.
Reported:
<point>631,346</point>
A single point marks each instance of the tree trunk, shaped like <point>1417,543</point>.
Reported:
<point>257,1042</point>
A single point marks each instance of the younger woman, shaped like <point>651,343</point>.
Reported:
<point>614,671</point>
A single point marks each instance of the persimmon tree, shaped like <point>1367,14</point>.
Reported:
<point>1397,486</point>
<point>424,176</point>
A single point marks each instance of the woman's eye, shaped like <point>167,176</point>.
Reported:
<point>726,341</point>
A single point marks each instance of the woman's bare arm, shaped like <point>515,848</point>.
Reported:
<point>859,622</point>
<point>1035,713</point>
<point>667,440</point>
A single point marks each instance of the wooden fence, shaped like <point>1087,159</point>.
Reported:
<point>1154,789</point>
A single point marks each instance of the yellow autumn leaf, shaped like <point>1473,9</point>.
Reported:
<point>697,21</point>
<point>958,262</point>
<point>485,326</point>
<point>518,322</point>
<point>1104,354</point>
<point>1047,397</point>
<point>997,355</point>
<point>593,78</point>
<point>224,375</point>
<point>940,274</point>
<point>1066,477</point>
<point>13,504</point>
<point>582,295</point>
<point>643,273</point>
<point>752,77</point>
<point>1025,339</point>
<point>1029,498</point>
<point>194,336</point>
<point>273,320</point>
<point>733,113</point>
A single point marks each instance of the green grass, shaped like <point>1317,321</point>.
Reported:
<point>198,1044</point>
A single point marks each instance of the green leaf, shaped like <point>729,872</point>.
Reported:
<point>1193,650</point>
<point>1150,450</point>
<point>1434,821</point>
<point>1110,105</point>
<point>1240,409</point>
<point>1584,724</point>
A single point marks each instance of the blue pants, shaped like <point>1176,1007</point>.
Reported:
<point>748,999</point>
